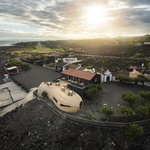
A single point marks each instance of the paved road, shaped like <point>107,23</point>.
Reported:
<point>41,47</point>
<point>35,76</point>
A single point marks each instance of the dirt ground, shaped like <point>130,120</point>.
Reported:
<point>36,127</point>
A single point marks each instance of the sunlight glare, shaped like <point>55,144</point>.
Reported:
<point>95,16</point>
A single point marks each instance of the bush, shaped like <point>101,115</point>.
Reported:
<point>127,111</point>
<point>108,111</point>
<point>130,98</point>
<point>143,111</point>
<point>89,116</point>
<point>133,131</point>
<point>142,79</point>
<point>14,62</point>
<point>92,89</point>
<point>123,78</point>
<point>145,96</point>
<point>89,67</point>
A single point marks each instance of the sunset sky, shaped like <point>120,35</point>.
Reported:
<point>72,19</point>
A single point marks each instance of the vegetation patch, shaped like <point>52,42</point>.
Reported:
<point>133,131</point>
<point>92,89</point>
<point>14,62</point>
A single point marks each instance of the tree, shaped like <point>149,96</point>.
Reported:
<point>108,111</point>
<point>127,111</point>
<point>145,95</point>
<point>142,79</point>
<point>130,98</point>
<point>143,111</point>
<point>133,131</point>
<point>92,89</point>
<point>135,80</point>
<point>123,78</point>
<point>14,62</point>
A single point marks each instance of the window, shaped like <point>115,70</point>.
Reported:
<point>81,104</point>
<point>55,100</point>
<point>64,105</point>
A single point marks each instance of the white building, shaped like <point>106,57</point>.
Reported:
<point>106,76</point>
<point>71,60</point>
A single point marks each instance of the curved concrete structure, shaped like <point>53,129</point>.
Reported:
<point>65,99</point>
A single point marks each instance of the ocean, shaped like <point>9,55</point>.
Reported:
<point>7,43</point>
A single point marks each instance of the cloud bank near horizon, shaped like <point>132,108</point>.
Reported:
<point>63,19</point>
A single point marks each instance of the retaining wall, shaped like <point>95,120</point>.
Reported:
<point>98,124</point>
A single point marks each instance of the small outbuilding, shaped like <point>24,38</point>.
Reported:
<point>134,73</point>
<point>12,70</point>
<point>59,67</point>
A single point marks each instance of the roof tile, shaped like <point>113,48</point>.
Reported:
<point>79,74</point>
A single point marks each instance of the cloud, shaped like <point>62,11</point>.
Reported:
<point>131,13</point>
<point>138,2</point>
<point>61,18</point>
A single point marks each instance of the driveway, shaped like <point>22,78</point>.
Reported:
<point>35,76</point>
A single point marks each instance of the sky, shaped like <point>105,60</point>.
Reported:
<point>72,19</point>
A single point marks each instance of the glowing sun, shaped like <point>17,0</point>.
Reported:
<point>95,16</point>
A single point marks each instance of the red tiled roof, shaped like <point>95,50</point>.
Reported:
<point>79,74</point>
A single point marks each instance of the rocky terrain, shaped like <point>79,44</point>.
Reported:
<point>35,126</point>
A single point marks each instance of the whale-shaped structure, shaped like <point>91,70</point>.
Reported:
<point>65,99</point>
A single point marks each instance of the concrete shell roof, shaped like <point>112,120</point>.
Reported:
<point>79,74</point>
<point>61,96</point>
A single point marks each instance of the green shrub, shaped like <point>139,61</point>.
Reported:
<point>89,116</point>
<point>143,111</point>
<point>133,131</point>
<point>108,111</point>
<point>92,89</point>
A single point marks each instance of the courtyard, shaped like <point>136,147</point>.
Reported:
<point>109,96</point>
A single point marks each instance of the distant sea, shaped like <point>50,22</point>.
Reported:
<point>7,43</point>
